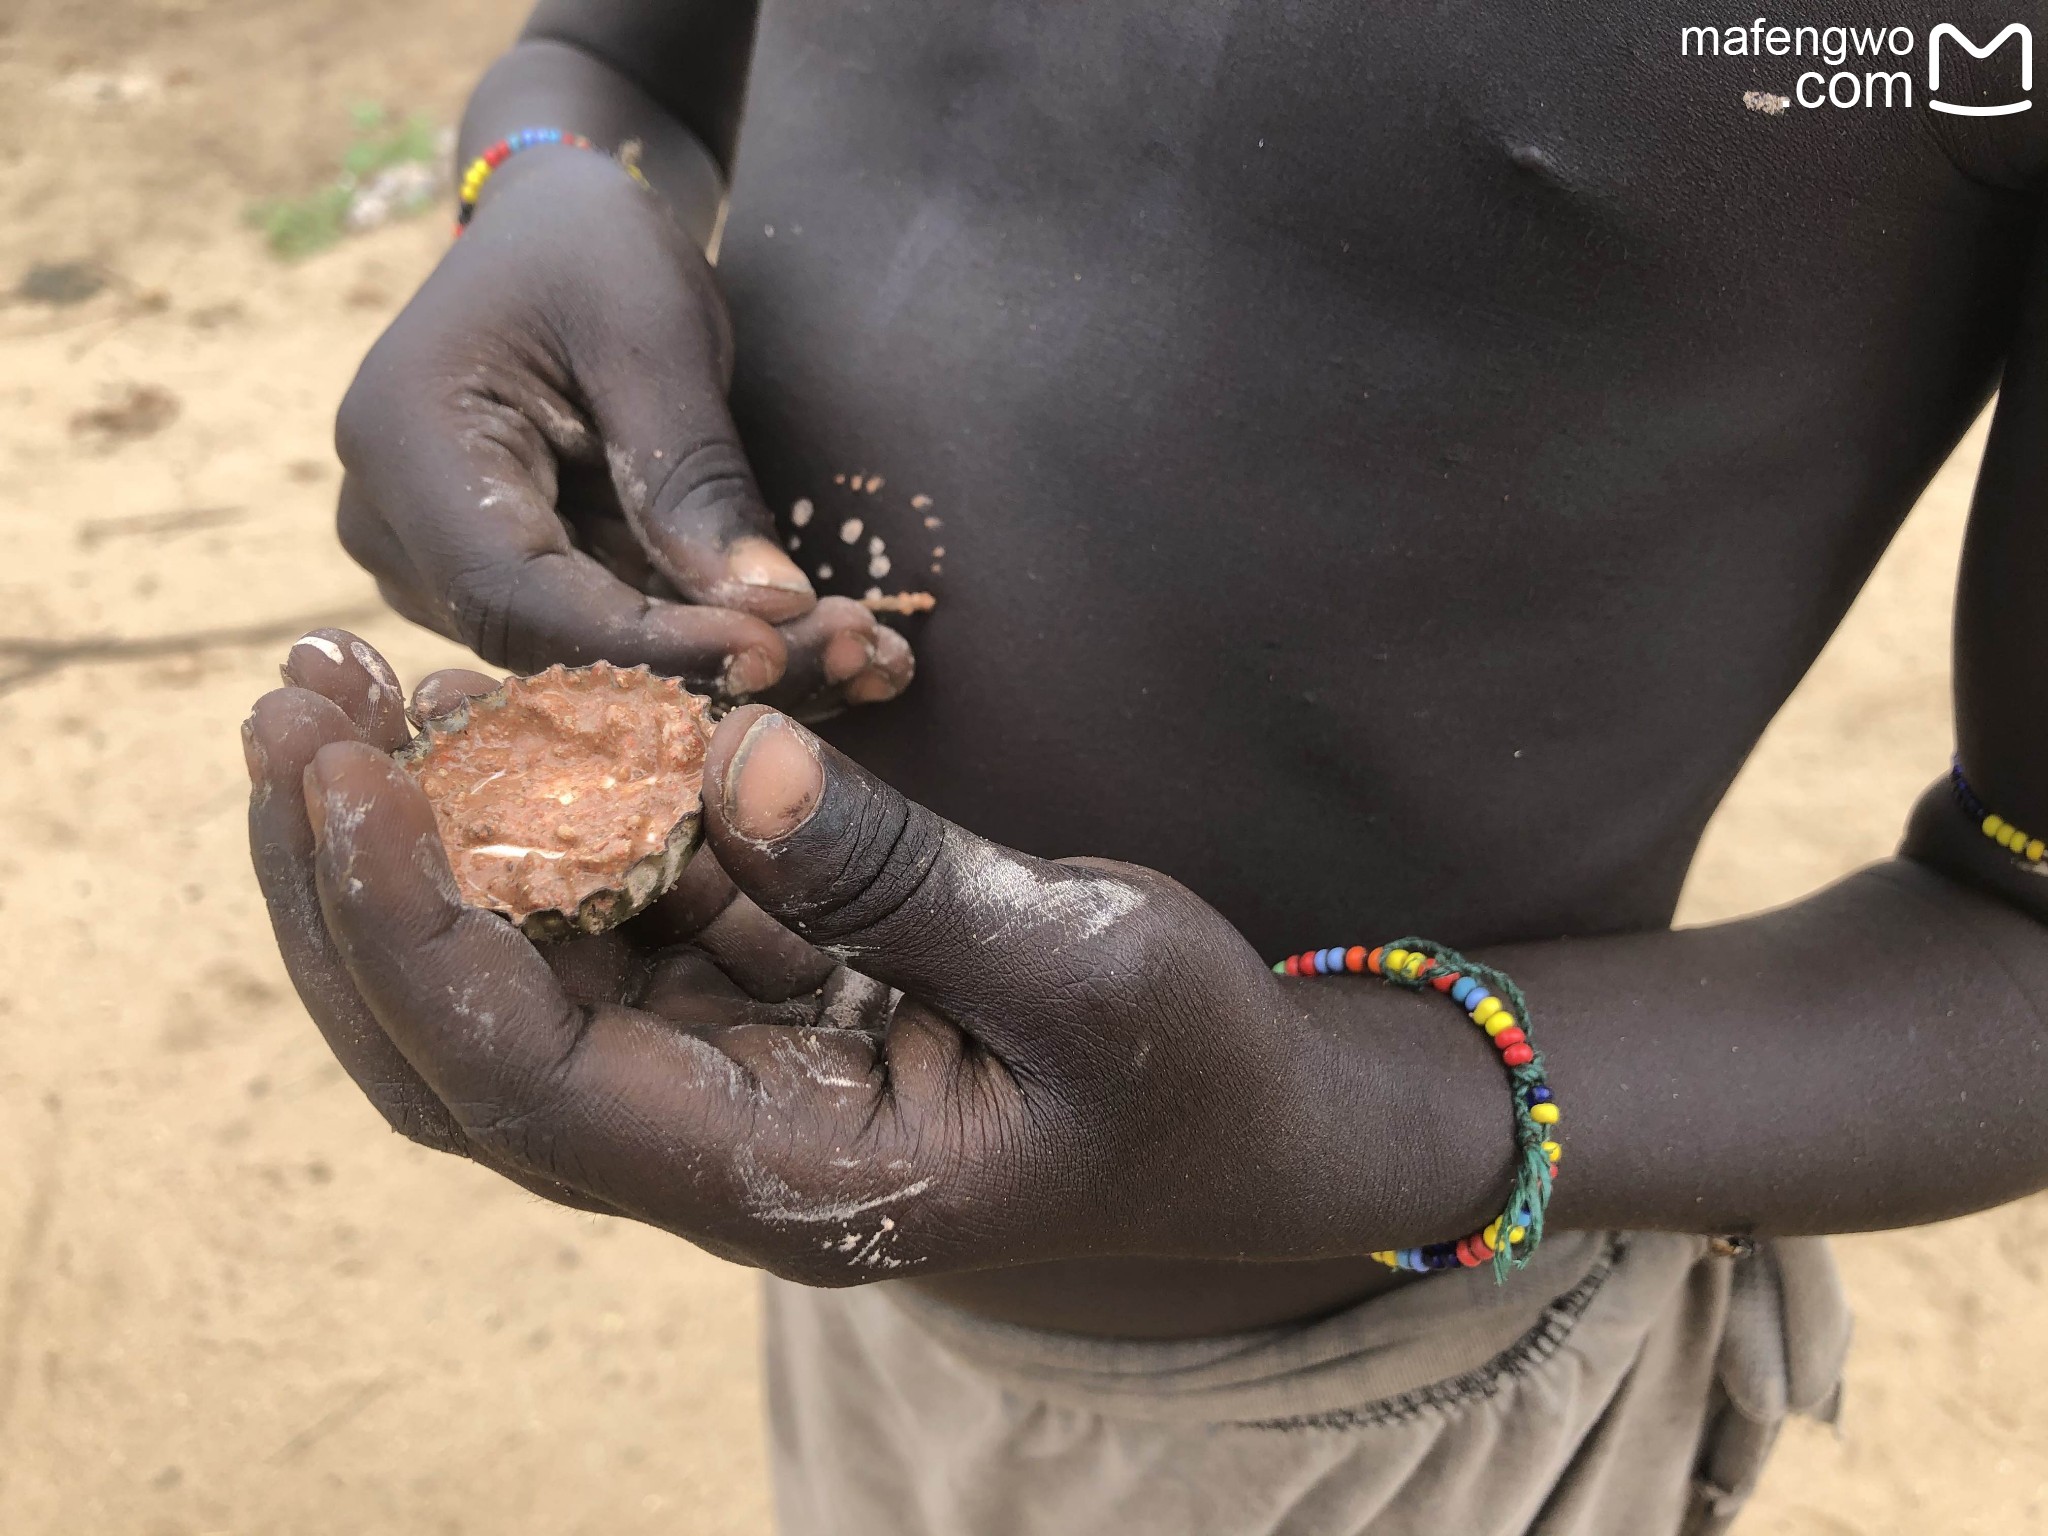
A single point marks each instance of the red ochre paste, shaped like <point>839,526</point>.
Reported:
<point>565,786</point>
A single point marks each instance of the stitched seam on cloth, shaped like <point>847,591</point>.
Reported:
<point>1530,1350</point>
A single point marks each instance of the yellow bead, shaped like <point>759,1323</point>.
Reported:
<point>1415,964</point>
<point>1395,959</point>
<point>1991,826</point>
<point>2035,849</point>
<point>1544,1114</point>
<point>1516,1234</point>
<point>1486,1010</point>
<point>2007,834</point>
<point>1552,1150</point>
<point>1385,1256</point>
<point>1492,1233</point>
<point>1500,1021</point>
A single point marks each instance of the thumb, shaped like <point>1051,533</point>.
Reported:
<point>684,483</point>
<point>899,893</point>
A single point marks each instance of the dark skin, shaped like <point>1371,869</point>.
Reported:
<point>1395,467</point>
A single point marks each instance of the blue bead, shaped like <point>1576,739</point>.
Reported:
<point>1463,988</point>
<point>1336,959</point>
<point>1475,997</point>
<point>1405,1258</point>
<point>1322,962</point>
<point>1539,1095</point>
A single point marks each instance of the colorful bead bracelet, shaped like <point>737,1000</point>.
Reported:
<point>486,164</point>
<point>1508,1240</point>
<point>2002,832</point>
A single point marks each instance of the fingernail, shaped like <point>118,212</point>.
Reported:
<point>749,672</point>
<point>292,669</point>
<point>774,782</point>
<point>754,562</point>
<point>252,754</point>
<point>872,688</point>
<point>847,654</point>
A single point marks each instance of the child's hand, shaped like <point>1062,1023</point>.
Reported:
<point>1083,1058</point>
<point>541,463</point>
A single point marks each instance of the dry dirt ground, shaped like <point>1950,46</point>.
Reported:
<point>229,1301</point>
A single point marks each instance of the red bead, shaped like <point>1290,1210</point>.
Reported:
<point>1445,982</point>
<point>1468,1253</point>
<point>1354,958</point>
<point>1372,961</point>
<point>498,154</point>
<point>1517,1055</point>
<point>1294,965</point>
<point>1509,1037</point>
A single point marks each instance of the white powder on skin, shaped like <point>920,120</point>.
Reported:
<point>770,1198</point>
<point>1018,901</point>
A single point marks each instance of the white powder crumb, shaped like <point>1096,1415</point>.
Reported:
<point>938,570</point>
<point>878,567</point>
<point>839,479</point>
<point>322,644</point>
<point>850,530</point>
<point>768,230</point>
<point>854,483</point>
<point>825,571</point>
<point>875,545</point>
<point>872,595</point>
<point>795,543</point>
<point>874,484</point>
<point>933,522</point>
<point>939,553</point>
<point>1767,103</point>
<point>800,514</point>
<point>920,501</point>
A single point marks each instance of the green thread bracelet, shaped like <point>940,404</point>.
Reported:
<point>1510,1238</point>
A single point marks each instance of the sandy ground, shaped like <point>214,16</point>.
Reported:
<point>229,1300</point>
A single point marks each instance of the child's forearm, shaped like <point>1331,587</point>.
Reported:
<point>1871,1057</point>
<point>669,77</point>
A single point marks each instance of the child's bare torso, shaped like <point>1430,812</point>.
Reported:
<point>1385,468</point>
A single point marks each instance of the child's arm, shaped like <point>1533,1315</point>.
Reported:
<point>1877,1054</point>
<point>540,459</point>
<point>670,77</point>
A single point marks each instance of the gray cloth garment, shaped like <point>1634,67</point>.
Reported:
<point>1621,1385</point>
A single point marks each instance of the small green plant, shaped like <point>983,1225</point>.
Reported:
<point>299,226</point>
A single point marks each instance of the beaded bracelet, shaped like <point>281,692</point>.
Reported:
<point>2002,832</point>
<point>484,165</point>
<point>1509,1239</point>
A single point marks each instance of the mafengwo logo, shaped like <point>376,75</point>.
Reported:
<point>1883,66</point>
<point>1948,33</point>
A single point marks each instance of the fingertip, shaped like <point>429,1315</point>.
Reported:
<point>726,739</point>
<point>894,665</point>
<point>759,579</point>
<point>773,780</point>
<point>755,667</point>
<point>872,688</point>
<point>893,651</point>
<point>442,693</point>
<point>846,655</point>
<point>347,670</point>
<point>252,753</point>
